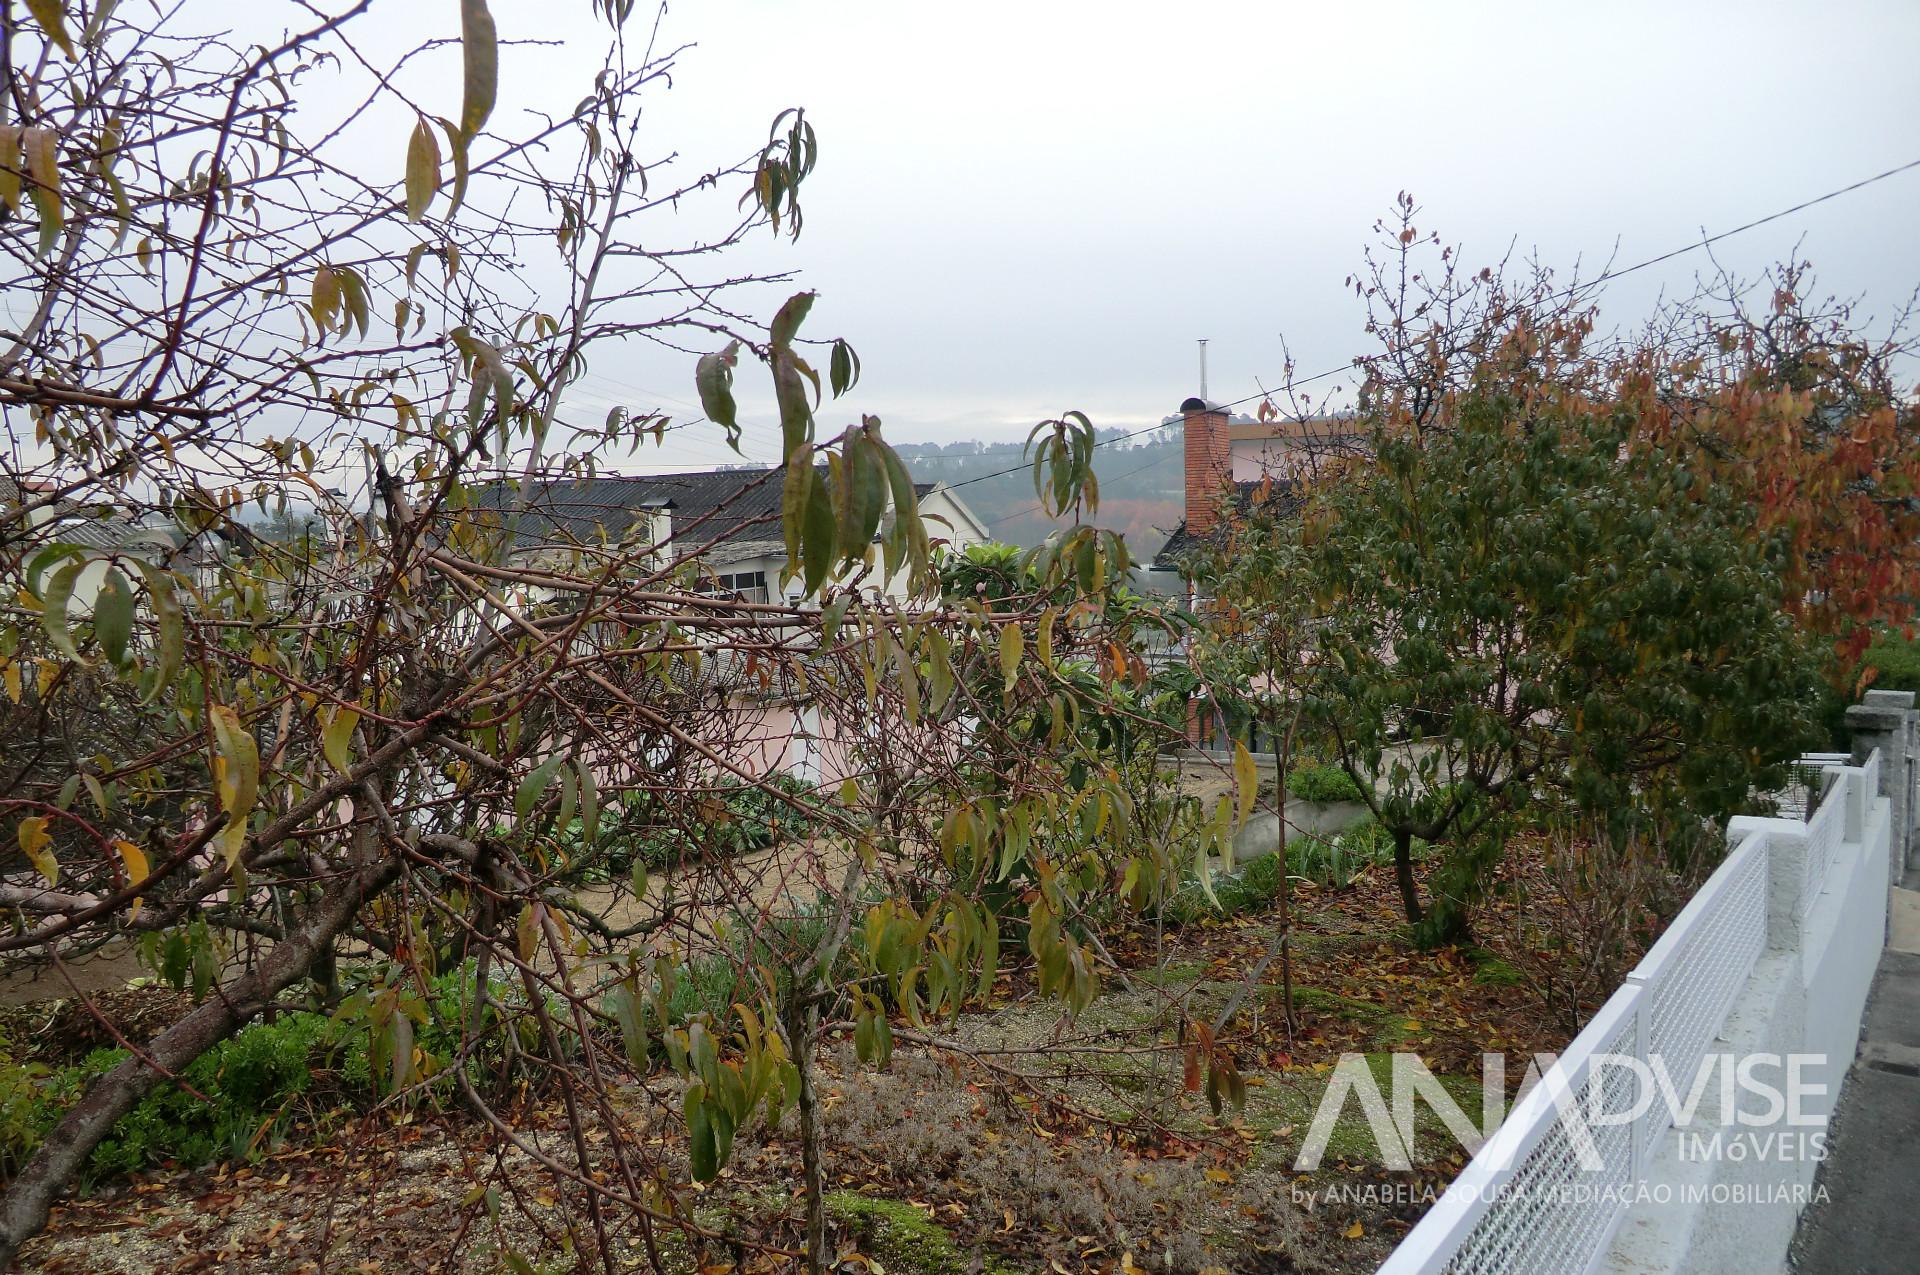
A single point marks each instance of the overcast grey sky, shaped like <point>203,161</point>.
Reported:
<point>1022,208</point>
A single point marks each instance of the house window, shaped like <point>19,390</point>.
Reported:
<point>747,586</point>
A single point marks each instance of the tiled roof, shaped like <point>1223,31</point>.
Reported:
<point>739,506</point>
<point>98,526</point>
<point>14,492</point>
<point>1180,546</point>
<point>588,511</point>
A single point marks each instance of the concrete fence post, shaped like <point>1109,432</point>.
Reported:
<point>1786,872</point>
<point>1856,802</point>
<point>1885,720</point>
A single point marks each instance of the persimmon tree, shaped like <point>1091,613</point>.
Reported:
<point>322,771</point>
<point>1789,398</point>
<point>1519,617</point>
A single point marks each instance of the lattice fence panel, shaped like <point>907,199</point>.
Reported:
<point>1806,784</point>
<point>1552,1215</point>
<point>1823,843</point>
<point>1697,970</point>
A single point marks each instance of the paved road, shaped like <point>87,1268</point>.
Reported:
<point>1869,1223</point>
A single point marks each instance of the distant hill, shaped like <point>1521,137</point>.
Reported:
<point>1142,481</point>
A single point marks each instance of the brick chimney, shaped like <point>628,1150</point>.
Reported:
<point>1209,448</point>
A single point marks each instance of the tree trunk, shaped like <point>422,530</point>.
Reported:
<point>1282,759</point>
<point>800,1024</point>
<point>1403,873</point>
<point>29,1199</point>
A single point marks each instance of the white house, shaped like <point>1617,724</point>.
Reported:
<point>726,519</point>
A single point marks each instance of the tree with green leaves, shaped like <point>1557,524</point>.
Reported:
<point>1790,398</point>
<point>334,774</point>
<point>1520,615</point>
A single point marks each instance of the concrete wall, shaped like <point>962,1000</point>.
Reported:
<point>1806,995</point>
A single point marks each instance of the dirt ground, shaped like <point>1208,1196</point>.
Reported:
<point>1032,1144</point>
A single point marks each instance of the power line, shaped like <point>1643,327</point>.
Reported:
<point>1597,280</point>
<point>1027,464</point>
<point>1710,240</point>
<point>1021,513</point>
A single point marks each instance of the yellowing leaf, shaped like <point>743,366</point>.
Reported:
<point>325,301</point>
<point>41,151</point>
<point>170,647</point>
<point>423,169</point>
<point>1246,779</point>
<point>34,840</point>
<point>1355,1231</point>
<point>713,379</point>
<point>237,774</point>
<point>527,933</point>
<point>1012,643</point>
<point>135,860</point>
<point>53,617</point>
<point>51,15</point>
<point>337,736</point>
<point>479,46</point>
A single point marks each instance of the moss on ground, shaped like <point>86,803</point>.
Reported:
<point>1490,971</point>
<point>1283,1106</point>
<point>1391,1028</point>
<point>1172,974</point>
<point>904,1238</point>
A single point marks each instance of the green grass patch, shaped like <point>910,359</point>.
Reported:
<point>1283,1108</point>
<point>1249,888</point>
<point>1490,971</point>
<point>904,1238</point>
<point>1172,974</point>
<point>1389,1026</point>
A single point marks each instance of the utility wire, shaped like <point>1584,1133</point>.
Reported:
<point>1570,291</point>
<point>1021,513</point>
<point>1597,280</point>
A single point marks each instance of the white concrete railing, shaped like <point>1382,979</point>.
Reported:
<point>1774,953</point>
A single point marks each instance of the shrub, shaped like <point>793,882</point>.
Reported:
<point>1512,593</point>
<point>22,1119</point>
<point>1334,863</point>
<point>657,829</point>
<point>237,1099</point>
<point>442,1019</point>
<point>713,981</point>
<point>1317,781</point>
<point>1896,661</point>
<point>1591,913</point>
<point>240,1096</point>
<point>1254,885</point>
